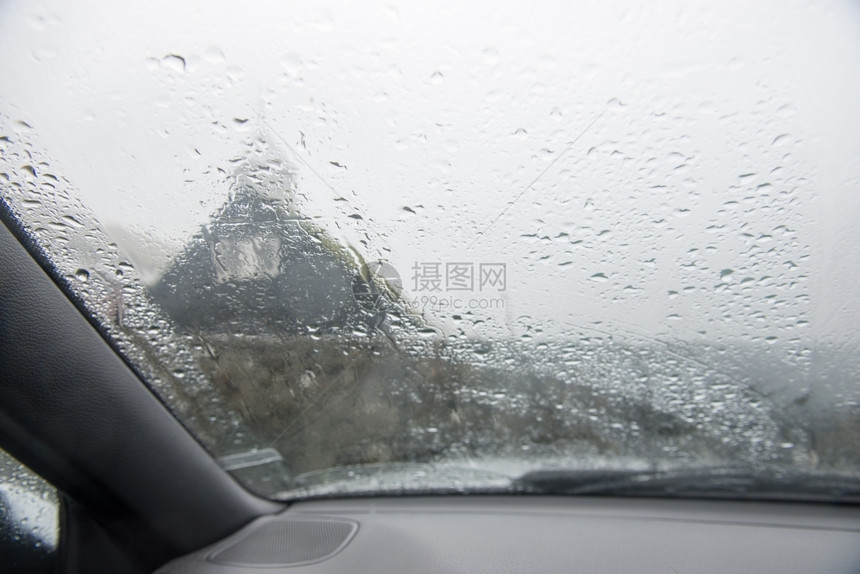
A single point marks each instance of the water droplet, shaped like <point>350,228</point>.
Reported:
<point>174,62</point>
<point>82,275</point>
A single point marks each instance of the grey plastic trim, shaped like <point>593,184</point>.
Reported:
<point>514,534</point>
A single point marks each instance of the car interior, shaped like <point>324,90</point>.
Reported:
<point>106,469</point>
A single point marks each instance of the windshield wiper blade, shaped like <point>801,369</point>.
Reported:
<point>706,482</point>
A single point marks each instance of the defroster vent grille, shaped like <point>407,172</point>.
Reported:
<point>287,543</point>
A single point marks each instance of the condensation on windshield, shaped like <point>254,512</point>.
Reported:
<point>340,237</point>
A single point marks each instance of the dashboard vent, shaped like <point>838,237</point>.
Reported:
<point>286,543</point>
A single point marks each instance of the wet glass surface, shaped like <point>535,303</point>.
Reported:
<point>469,241</point>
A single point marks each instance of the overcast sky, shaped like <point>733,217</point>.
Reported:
<point>681,169</point>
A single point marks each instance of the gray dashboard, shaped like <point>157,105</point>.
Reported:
<point>496,535</point>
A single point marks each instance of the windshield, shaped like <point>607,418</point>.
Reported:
<point>384,248</point>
